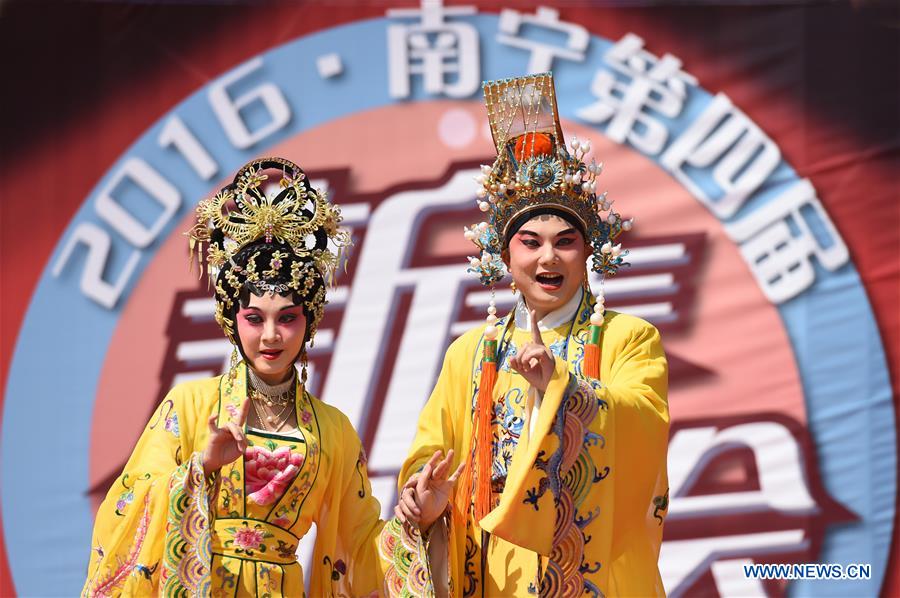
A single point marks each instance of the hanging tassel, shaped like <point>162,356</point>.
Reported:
<point>591,364</point>
<point>304,362</point>
<point>483,442</point>
<point>476,476</point>
<point>463,492</point>
<point>475,481</point>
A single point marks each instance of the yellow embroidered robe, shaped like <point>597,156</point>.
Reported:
<point>578,504</point>
<point>157,533</point>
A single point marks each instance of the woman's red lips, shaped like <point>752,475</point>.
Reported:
<point>271,354</point>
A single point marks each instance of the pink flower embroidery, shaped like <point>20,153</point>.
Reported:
<point>248,538</point>
<point>305,417</point>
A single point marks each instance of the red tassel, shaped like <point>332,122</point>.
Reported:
<point>478,468</point>
<point>463,490</point>
<point>484,443</point>
<point>591,364</point>
<point>592,361</point>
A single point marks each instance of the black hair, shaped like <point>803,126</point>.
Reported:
<point>521,219</point>
<point>264,253</point>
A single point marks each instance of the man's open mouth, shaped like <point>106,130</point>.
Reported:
<point>549,281</point>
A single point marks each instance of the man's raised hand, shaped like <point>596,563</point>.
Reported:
<point>534,361</point>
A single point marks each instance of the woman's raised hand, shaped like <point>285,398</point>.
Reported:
<point>426,494</point>
<point>226,443</point>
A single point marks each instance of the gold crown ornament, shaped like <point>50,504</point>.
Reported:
<point>269,238</point>
<point>534,170</point>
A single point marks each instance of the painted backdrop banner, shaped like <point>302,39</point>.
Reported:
<point>756,147</point>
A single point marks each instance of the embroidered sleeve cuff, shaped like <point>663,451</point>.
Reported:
<point>186,559</point>
<point>406,550</point>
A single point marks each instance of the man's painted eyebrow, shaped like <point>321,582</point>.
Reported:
<point>525,231</point>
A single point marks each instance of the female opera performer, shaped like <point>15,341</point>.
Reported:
<point>557,409</point>
<point>232,471</point>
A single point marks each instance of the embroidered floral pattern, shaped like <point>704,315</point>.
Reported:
<point>269,470</point>
<point>105,585</point>
<point>232,410</point>
<point>247,540</point>
<point>231,492</point>
<point>124,500</point>
<point>172,425</point>
<point>127,495</point>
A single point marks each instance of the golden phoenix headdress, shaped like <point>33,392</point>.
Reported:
<point>268,237</point>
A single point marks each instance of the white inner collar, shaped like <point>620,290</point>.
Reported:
<point>555,318</point>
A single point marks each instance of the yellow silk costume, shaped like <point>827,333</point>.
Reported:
<point>157,533</point>
<point>585,488</point>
